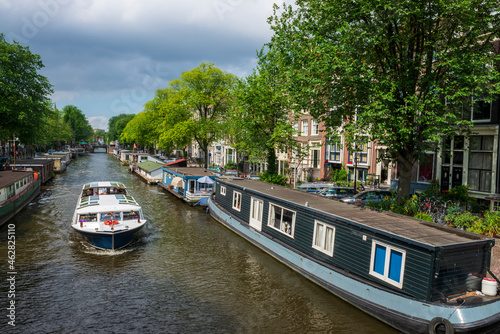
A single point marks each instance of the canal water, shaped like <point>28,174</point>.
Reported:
<point>184,273</point>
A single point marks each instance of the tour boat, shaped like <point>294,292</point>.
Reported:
<point>416,276</point>
<point>107,216</point>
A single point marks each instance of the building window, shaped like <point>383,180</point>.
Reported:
<point>481,110</point>
<point>305,128</point>
<point>388,263</point>
<point>281,219</point>
<point>361,154</point>
<point>324,237</point>
<point>335,151</point>
<point>314,128</point>
<point>480,163</point>
<point>295,126</point>
<point>237,201</point>
<point>425,168</point>
<point>223,191</point>
<point>315,158</point>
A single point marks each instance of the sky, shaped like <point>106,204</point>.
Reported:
<point>108,57</point>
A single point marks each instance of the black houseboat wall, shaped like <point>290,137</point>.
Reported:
<point>394,257</point>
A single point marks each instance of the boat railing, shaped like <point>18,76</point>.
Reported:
<point>197,195</point>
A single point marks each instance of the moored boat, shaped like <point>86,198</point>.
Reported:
<point>17,189</point>
<point>107,216</point>
<point>416,276</point>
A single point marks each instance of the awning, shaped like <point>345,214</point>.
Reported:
<point>205,180</point>
<point>177,182</point>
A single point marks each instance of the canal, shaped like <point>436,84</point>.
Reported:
<point>184,273</point>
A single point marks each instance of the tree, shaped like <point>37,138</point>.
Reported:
<point>23,92</point>
<point>195,106</point>
<point>141,130</point>
<point>55,130</point>
<point>396,70</point>
<point>78,123</point>
<point>117,124</point>
<point>261,122</point>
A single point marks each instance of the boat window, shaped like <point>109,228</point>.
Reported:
<point>88,192</point>
<point>388,263</point>
<point>324,237</point>
<point>107,216</point>
<point>281,219</point>
<point>90,217</point>
<point>236,200</point>
<point>223,190</point>
<point>131,215</point>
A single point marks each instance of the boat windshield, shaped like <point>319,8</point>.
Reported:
<point>89,217</point>
<point>131,215</point>
<point>107,216</point>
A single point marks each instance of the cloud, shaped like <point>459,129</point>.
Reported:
<point>109,57</point>
<point>99,122</point>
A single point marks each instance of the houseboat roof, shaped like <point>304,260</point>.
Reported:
<point>103,184</point>
<point>189,171</point>
<point>10,176</point>
<point>149,166</point>
<point>30,162</point>
<point>428,235</point>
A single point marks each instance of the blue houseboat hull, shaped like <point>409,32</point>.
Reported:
<point>405,313</point>
<point>110,240</point>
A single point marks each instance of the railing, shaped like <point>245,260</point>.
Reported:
<point>196,196</point>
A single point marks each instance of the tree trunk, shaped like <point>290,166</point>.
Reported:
<point>271,162</point>
<point>404,184</point>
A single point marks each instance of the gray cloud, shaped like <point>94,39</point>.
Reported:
<point>109,57</point>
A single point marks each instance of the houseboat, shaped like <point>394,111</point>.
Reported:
<point>416,276</point>
<point>150,171</point>
<point>17,189</point>
<point>188,183</point>
<point>43,167</point>
<point>107,216</point>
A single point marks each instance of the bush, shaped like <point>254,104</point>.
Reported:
<point>273,178</point>
<point>230,165</point>
<point>463,220</point>
<point>424,216</point>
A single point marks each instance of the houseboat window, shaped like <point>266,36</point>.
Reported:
<point>282,219</point>
<point>130,215</point>
<point>324,237</point>
<point>388,263</point>
<point>223,190</point>
<point>236,200</point>
<point>107,216</point>
<point>90,217</point>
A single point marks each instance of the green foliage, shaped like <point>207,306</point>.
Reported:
<point>230,165</point>
<point>423,216</point>
<point>458,194</point>
<point>260,123</point>
<point>339,176</point>
<point>392,65</point>
<point>24,93</point>
<point>78,123</point>
<point>117,124</point>
<point>463,220</point>
<point>273,178</point>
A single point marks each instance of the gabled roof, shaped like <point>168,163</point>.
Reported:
<point>149,166</point>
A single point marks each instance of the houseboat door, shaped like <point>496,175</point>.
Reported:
<point>256,211</point>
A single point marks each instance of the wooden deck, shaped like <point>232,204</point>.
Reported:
<point>419,231</point>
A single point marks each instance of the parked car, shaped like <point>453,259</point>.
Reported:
<point>373,196</point>
<point>315,187</point>
<point>337,192</point>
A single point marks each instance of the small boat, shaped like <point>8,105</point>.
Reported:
<point>107,216</point>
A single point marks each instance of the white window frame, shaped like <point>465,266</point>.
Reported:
<point>283,227</point>
<point>223,190</point>
<point>236,201</point>
<point>321,244</point>
<point>314,127</point>
<point>385,276</point>
<point>295,126</point>
<point>305,129</point>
